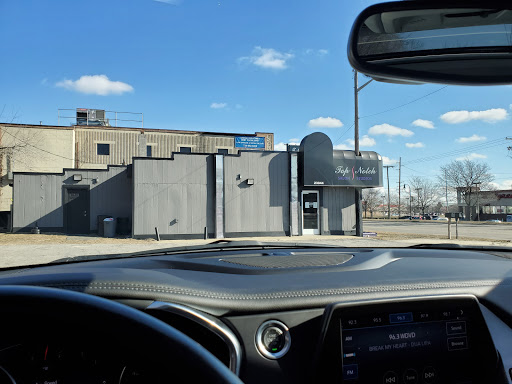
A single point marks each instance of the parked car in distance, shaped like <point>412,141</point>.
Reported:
<point>494,221</point>
<point>404,218</point>
<point>417,218</point>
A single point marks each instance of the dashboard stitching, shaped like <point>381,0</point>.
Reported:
<point>313,293</point>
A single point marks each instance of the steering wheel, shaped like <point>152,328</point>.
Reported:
<point>105,321</point>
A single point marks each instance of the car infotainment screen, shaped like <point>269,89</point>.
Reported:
<point>433,341</point>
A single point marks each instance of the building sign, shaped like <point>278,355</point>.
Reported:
<point>504,196</point>
<point>249,142</point>
<point>324,166</point>
<point>357,172</point>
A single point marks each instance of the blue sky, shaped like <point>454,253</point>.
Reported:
<point>238,66</point>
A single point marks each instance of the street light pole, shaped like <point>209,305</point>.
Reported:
<point>357,195</point>
<point>389,198</point>
<point>419,189</point>
<point>477,183</point>
<point>410,200</point>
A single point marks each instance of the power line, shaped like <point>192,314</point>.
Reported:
<point>490,144</point>
<point>403,105</point>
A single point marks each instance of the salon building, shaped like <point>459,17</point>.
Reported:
<point>310,189</point>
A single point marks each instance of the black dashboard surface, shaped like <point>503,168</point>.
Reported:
<point>213,282</point>
<point>245,288</point>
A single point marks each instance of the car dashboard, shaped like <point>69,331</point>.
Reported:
<point>298,315</point>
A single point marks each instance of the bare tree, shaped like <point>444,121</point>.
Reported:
<point>371,200</point>
<point>426,191</point>
<point>467,177</point>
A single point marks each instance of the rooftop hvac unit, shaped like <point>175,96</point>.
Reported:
<point>94,117</point>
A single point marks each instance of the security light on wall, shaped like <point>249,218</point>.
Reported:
<point>77,177</point>
<point>250,181</point>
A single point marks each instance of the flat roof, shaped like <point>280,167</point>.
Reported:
<point>142,130</point>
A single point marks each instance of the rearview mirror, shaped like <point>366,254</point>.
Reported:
<point>449,42</point>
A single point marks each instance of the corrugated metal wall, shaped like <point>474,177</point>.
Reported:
<point>338,213</point>
<point>260,208</point>
<point>38,197</point>
<point>124,145</point>
<point>176,196</point>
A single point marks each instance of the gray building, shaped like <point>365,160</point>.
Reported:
<point>71,201</point>
<point>307,190</point>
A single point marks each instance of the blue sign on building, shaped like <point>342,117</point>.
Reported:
<point>249,142</point>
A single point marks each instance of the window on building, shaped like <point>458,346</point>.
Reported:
<point>486,209</point>
<point>149,150</point>
<point>222,151</point>
<point>186,149</point>
<point>103,149</point>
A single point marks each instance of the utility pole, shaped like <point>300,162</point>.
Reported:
<point>359,211</point>
<point>446,189</point>
<point>419,189</point>
<point>399,183</point>
<point>389,198</point>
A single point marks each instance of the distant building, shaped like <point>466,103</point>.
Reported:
<point>50,149</point>
<point>491,205</point>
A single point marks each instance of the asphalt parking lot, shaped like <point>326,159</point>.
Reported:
<point>474,230</point>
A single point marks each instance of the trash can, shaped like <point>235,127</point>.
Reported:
<point>100,224</point>
<point>109,227</point>
<point>123,226</point>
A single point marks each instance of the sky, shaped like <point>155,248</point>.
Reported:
<point>239,66</point>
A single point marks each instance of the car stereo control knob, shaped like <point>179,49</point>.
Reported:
<point>273,339</point>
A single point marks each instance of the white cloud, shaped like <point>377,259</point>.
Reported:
<point>239,106</point>
<point>295,140</point>
<point>415,145</point>
<point>44,81</point>
<point>389,130</point>
<point>423,123</point>
<point>504,185</point>
<point>282,146</point>
<point>489,116</point>
<point>325,122</point>
<point>387,161</point>
<point>268,58</point>
<point>343,147</point>
<point>471,139</point>
<point>365,141</point>
<point>218,105</point>
<point>96,85</point>
<point>472,156</point>
<point>318,52</point>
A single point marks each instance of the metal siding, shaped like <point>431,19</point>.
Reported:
<point>338,209</point>
<point>264,206</point>
<point>38,198</point>
<point>169,190</point>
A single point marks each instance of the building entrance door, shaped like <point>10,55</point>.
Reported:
<point>310,215</point>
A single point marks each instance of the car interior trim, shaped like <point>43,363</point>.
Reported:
<point>210,322</point>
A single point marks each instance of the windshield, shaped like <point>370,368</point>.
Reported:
<point>132,126</point>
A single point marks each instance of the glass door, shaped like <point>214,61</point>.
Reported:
<point>310,206</point>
